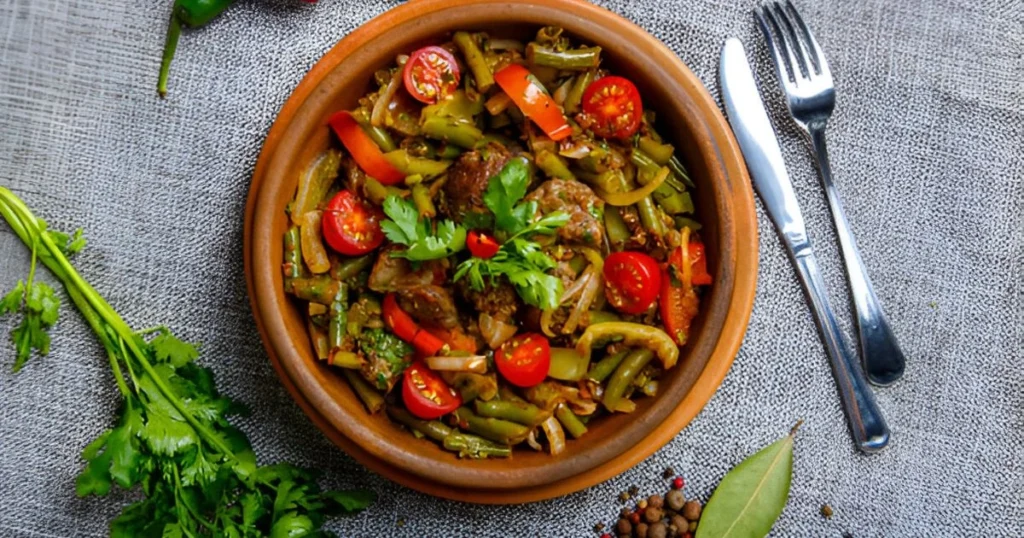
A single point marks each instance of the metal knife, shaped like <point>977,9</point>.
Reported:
<point>761,150</point>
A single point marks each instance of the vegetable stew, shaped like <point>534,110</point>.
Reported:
<point>501,248</point>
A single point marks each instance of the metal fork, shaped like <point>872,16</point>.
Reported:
<point>811,96</point>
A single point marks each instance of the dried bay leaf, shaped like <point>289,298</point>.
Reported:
<point>751,496</point>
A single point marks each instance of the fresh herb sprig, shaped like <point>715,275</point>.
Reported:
<point>173,439</point>
<point>520,258</point>
<point>405,227</point>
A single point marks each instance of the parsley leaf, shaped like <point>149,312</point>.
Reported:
<point>405,227</point>
<point>504,190</point>
<point>39,305</point>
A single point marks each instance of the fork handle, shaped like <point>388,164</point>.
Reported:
<point>880,352</point>
<point>867,425</point>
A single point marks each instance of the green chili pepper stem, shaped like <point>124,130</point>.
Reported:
<point>170,46</point>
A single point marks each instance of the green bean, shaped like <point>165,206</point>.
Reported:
<point>677,168</point>
<point>499,121</point>
<point>570,421</point>
<point>685,222</point>
<point>499,139</point>
<point>604,367</point>
<point>675,203</point>
<point>460,133</point>
<point>471,446</point>
<point>578,263</point>
<point>648,169</point>
<point>474,60</point>
<point>449,151</point>
<point>567,364</point>
<point>657,151</point>
<point>346,268</point>
<point>501,431</point>
<point>601,316</point>
<point>375,191</point>
<point>321,348</point>
<point>421,197</point>
<point>318,289</point>
<point>552,165</point>
<point>472,386</point>
<point>575,95</point>
<point>372,399</point>
<point>623,376</point>
<point>521,412</point>
<point>292,266</point>
<point>570,59</point>
<point>410,165</point>
<point>433,429</point>
<point>615,228</point>
<point>508,394</point>
<point>338,318</point>
<point>649,217</point>
<point>379,135</point>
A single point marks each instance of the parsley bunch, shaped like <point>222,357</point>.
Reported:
<point>520,258</point>
<point>172,437</point>
<point>405,227</point>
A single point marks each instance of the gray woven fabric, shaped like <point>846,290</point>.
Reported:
<point>927,149</point>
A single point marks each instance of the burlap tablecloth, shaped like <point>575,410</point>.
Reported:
<point>926,147</point>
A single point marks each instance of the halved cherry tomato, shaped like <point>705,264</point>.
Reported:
<point>363,149</point>
<point>678,307</point>
<point>426,395</point>
<point>524,360</point>
<point>431,74</point>
<point>351,226</point>
<point>614,104</point>
<point>406,328</point>
<point>529,95</point>
<point>632,281</point>
<point>699,275</point>
<point>482,245</point>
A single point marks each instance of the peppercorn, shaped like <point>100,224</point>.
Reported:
<point>669,473</point>
<point>599,527</point>
<point>657,530</point>
<point>693,526</point>
<point>623,497</point>
<point>678,483</point>
<point>656,501</point>
<point>691,510</point>
<point>654,514</point>
<point>680,523</point>
<point>640,531</point>
<point>826,511</point>
<point>624,527</point>
<point>675,500</point>
<point>634,517</point>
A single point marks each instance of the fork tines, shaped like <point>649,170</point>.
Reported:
<point>791,43</point>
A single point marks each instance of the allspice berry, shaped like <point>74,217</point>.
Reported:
<point>680,523</point>
<point>693,526</point>
<point>691,510</point>
<point>675,500</point>
<point>655,501</point>
<point>653,514</point>
<point>657,530</point>
<point>640,531</point>
<point>624,527</point>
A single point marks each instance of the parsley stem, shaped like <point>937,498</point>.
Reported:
<point>96,323</point>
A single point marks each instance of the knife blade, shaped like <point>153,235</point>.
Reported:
<point>760,147</point>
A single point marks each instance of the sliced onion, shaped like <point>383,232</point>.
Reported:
<point>505,44</point>
<point>495,331</point>
<point>573,149</point>
<point>555,434</point>
<point>587,296</point>
<point>531,439</point>
<point>476,364</point>
<point>687,272</point>
<point>623,199</point>
<point>381,106</point>
<point>562,92</point>
<point>625,406</point>
<point>313,251</point>
<point>545,322</point>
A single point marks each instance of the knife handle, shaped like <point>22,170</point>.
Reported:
<point>867,425</point>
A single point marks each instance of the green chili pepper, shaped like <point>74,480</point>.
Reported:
<point>191,14</point>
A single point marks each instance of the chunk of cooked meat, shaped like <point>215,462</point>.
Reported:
<point>585,209</point>
<point>390,273</point>
<point>429,304</point>
<point>499,300</point>
<point>467,180</point>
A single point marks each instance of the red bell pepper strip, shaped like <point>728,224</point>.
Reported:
<point>365,152</point>
<point>407,329</point>
<point>530,97</point>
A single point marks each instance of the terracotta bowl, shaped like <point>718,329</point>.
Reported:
<point>687,116</point>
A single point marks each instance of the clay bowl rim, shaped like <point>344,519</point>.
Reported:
<point>267,305</point>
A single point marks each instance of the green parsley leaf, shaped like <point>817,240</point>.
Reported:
<point>12,301</point>
<point>405,227</point>
<point>167,348</point>
<point>40,307</point>
<point>504,190</point>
